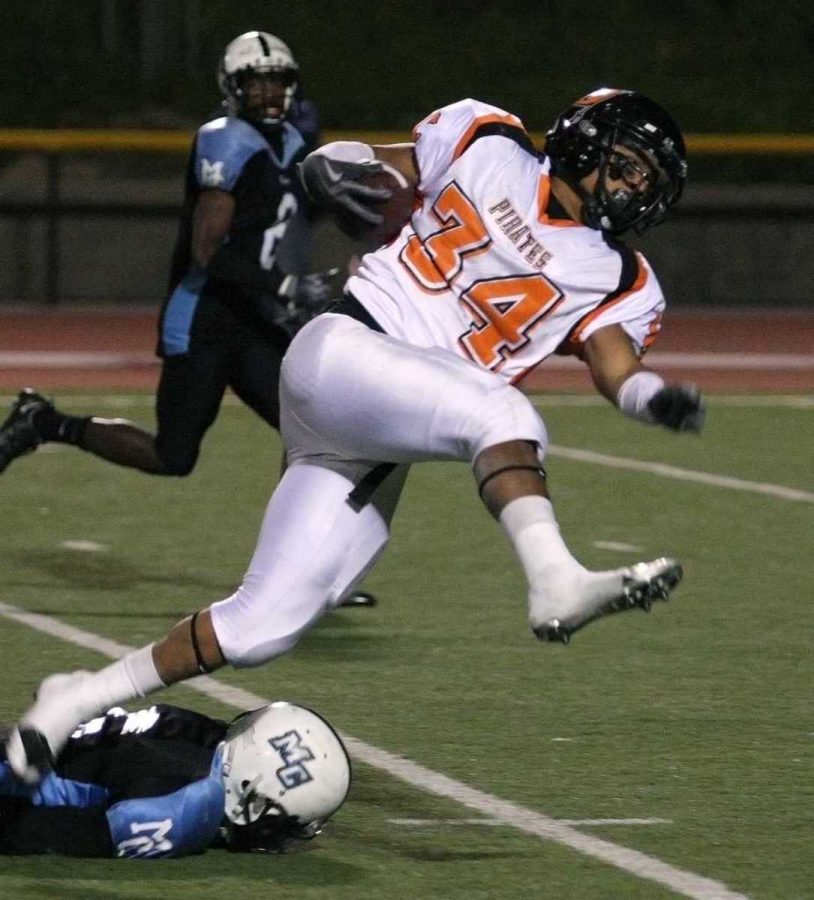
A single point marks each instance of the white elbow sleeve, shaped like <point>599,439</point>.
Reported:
<point>635,394</point>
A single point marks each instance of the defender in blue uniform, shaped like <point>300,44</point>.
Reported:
<point>231,311</point>
<point>166,782</point>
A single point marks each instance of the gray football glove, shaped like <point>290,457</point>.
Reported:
<point>678,406</point>
<point>335,185</point>
<point>301,297</point>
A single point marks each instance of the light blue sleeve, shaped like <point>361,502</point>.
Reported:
<point>222,149</point>
<point>177,824</point>
<point>53,790</point>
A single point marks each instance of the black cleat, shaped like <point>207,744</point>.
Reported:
<point>358,598</point>
<point>28,754</point>
<point>18,434</point>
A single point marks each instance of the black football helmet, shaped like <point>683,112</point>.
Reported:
<point>583,139</point>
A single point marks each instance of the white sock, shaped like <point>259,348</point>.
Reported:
<point>559,587</point>
<point>132,676</point>
<point>532,528</point>
<point>64,700</point>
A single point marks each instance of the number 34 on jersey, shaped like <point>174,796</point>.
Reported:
<point>503,308</point>
<point>489,266</point>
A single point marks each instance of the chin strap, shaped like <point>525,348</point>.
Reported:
<point>590,214</point>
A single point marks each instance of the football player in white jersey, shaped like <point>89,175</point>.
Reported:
<point>509,256</point>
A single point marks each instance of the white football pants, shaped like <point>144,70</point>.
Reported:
<point>350,399</point>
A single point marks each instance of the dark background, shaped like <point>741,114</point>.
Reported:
<point>96,226</point>
<point>721,65</point>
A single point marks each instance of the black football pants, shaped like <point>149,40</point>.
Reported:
<point>225,350</point>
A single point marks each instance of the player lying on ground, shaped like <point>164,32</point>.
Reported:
<point>166,781</point>
<point>509,256</point>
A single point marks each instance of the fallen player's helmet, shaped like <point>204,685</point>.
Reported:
<point>253,54</point>
<point>285,771</point>
<point>583,139</point>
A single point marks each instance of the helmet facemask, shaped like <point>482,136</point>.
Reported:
<point>261,83</point>
<point>257,824</point>
<point>632,190</point>
<point>254,65</point>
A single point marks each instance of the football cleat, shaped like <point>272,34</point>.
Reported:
<point>18,434</point>
<point>641,585</point>
<point>38,738</point>
<point>28,754</point>
<point>358,598</point>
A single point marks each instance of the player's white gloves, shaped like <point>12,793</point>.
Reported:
<point>678,406</point>
<point>336,186</point>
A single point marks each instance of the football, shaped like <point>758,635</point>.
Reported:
<point>396,211</point>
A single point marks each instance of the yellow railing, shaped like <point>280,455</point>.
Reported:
<point>54,143</point>
<point>68,140</point>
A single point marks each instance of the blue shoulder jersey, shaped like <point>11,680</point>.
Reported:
<point>259,170</point>
<point>142,785</point>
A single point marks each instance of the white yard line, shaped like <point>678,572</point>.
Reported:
<point>721,481</point>
<point>682,881</point>
<point>574,453</point>
<point>434,823</point>
<point>83,546</point>
<point>618,546</point>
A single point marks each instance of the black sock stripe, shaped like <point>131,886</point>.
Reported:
<point>538,469</point>
<point>193,630</point>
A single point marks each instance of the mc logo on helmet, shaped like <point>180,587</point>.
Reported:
<point>294,754</point>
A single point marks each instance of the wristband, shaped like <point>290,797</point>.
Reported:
<point>636,392</point>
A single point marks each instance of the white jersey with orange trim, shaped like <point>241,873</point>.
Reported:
<point>482,270</point>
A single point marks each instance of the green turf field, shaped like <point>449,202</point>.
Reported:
<point>698,715</point>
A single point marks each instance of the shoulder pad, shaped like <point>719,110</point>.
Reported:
<point>442,137</point>
<point>222,148</point>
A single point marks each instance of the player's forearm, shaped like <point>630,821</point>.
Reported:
<point>401,157</point>
<point>646,397</point>
<point>634,393</point>
<point>204,248</point>
<point>211,222</point>
<point>638,392</point>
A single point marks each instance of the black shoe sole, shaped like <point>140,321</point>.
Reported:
<point>359,598</point>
